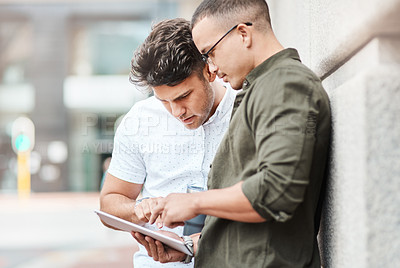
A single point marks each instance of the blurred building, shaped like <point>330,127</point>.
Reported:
<point>65,65</point>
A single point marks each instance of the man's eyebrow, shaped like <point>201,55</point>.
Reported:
<point>178,97</point>
<point>183,94</point>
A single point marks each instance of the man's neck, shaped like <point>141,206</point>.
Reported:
<point>267,46</point>
<point>220,91</point>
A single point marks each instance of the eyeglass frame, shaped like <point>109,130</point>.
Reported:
<point>205,56</point>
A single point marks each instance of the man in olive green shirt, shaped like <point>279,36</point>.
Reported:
<point>277,142</point>
<point>266,179</point>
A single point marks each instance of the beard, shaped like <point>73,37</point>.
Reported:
<point>206,106</point>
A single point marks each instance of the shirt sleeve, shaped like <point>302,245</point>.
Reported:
<point>127,162</point>
<point>283,122</point>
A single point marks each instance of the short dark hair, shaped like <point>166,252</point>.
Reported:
<point>167,57</point>
<point>232,12</point>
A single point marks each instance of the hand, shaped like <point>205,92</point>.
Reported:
<point>143,209</point>
<point>174,209</point>
<point>157,250</point>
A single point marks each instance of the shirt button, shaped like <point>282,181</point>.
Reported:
<point>245,83</point>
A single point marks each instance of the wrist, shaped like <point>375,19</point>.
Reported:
<point>195,238</point>
<point>197,202</point>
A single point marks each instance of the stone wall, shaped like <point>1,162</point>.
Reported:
<point>354,46</point>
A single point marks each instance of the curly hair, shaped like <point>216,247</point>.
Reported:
<point>167,57</point>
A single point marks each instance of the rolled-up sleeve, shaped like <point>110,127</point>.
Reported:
<point>284,124</point>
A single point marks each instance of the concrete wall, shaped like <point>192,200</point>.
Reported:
<point>354,46</point>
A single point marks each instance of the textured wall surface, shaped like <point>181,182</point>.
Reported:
<point>327,33</point>
<point>354,46</point>
<point>361,227</point>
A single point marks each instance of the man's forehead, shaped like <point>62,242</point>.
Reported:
<point>203,32</point>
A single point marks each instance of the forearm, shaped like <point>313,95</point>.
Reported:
<point>229,203</point>
<point>119,205</point>
<point>119,198</point>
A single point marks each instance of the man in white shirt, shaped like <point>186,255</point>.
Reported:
<point>167,141</point>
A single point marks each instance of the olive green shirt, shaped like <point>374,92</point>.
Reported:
<point>277,143</point>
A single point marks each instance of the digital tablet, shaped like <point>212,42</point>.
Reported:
<point>127,226</point>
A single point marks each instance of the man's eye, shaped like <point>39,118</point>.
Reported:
<point>182,97</point>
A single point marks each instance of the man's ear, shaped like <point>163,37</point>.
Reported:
<point>245,34</point>
<point>208,74</point>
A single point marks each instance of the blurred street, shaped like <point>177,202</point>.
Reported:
<point>59,230</point>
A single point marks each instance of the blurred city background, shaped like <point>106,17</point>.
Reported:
<point>64,66</point>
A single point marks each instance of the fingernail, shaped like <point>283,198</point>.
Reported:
<point>159,225</point>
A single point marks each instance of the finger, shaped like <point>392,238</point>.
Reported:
<point>166,254</point>
<point>162,256</point>
<point>142,240</point>
<point>139,214</point>
<point>133,235</point>
<point>156,201</point>
<point>159,222</point>
<point>165,219</point>
<point>155,213</point>
<point>146,209</point>
<point>152,247</point>
<point>176,224</point>
<point>138,237</point>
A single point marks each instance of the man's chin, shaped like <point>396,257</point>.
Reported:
<point>236,86</point>
<point>192,126</point>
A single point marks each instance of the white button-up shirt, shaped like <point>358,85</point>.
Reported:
<point>151,147</point>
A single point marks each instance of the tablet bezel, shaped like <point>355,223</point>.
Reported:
<point>127,226</point>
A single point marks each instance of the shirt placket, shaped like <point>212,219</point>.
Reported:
<point>204,169</point>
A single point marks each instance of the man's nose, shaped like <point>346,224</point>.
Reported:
<point>177,110</point>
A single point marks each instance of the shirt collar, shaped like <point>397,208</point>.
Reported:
<point>269,63</point>
<point>224,106</point>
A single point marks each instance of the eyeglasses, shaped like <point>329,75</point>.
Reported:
<point>205,56</point>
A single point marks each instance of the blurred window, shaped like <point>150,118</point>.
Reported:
<point>105,47</point>
<point>15,50</point>
<point>16,95</point>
